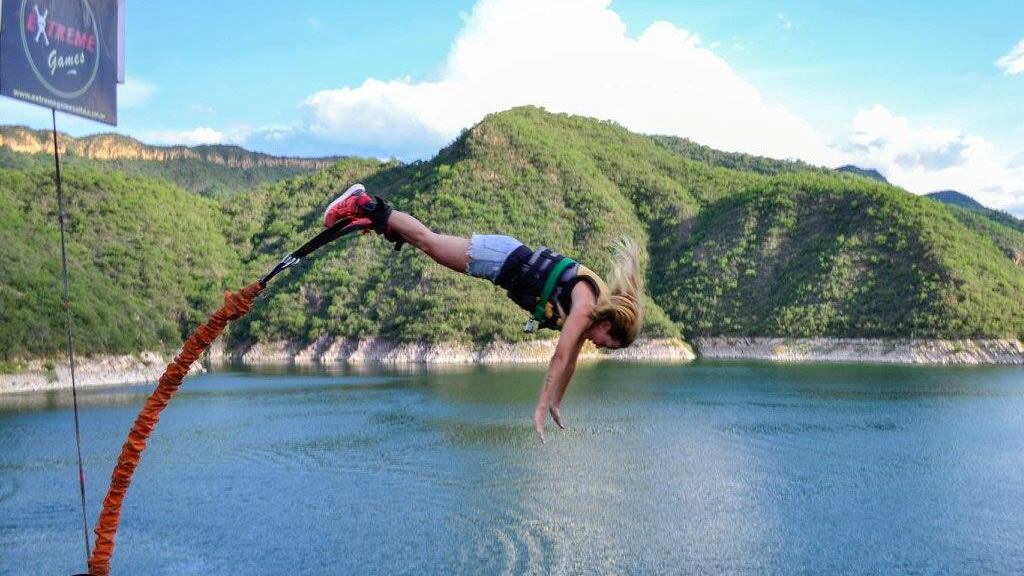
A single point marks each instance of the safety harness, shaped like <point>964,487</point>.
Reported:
<point>534,281</point>
<point>549,287</point>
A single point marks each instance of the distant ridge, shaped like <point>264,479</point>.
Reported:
<point>209,170</point>
<point>865,172</point>
<point>109,146</point>
<point>957,199</point>
<point>1004,228</point>
<point>732,160</point>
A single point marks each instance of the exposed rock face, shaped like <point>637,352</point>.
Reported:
<point>383,351</point>
<point>117,147</point>
<point>889,351</point>
<point>96,371</point>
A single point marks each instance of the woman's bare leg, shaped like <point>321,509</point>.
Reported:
<point>449,251</point>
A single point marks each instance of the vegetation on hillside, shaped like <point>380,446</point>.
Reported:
<point>147,261</point>
<point>807,255</point>
<point>736,245</point>
<point>1005,230</point>
<point>734,160</point>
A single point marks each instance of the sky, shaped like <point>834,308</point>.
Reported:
<point>926,92</point>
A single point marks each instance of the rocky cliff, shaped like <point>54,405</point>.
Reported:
<point>118,147</point>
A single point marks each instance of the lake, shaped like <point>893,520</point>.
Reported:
<point>708,468</point>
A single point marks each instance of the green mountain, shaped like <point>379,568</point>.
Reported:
<point>736,245</point>
<point>215,170</point>
<point>797,252</point>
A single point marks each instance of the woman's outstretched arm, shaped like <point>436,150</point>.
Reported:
<point>561,368</point>
<point>583,302</point>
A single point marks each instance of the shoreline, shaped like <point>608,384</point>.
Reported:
<point>382,351</point>
<point>146,367</point>
<point>911,351</point>
<point>111,370</point>
<point>90,372</point>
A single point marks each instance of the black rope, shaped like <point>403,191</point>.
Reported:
<point>341,228</point>
<point>327,236</point>
<point>71,335</point>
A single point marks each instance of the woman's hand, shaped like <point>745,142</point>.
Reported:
<point>540,416</point>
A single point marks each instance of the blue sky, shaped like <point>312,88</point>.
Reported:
<point>911,88</point>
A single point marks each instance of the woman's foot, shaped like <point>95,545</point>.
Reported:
<point>361,210</point>
<point>351,206</point>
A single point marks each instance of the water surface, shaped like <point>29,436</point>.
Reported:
<point>707,468</point>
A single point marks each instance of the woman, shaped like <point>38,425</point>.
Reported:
<point>560,293</point>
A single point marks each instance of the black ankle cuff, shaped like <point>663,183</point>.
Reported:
<point>379,214</point>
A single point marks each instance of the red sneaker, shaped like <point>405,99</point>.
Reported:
<point>349,206</point>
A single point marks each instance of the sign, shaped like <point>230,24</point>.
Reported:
<point>61,54</point>
<point>120,41</point>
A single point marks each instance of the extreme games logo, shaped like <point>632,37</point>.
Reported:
<point>61,42</point>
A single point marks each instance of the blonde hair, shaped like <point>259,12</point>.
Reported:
<point>624,305</point>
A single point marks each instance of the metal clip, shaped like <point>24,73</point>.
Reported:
<point>530,326</point>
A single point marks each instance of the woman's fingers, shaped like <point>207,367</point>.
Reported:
<point>539,416</point>
<point>556,405</point>
<point>556,415</point>
<point>538,422</point>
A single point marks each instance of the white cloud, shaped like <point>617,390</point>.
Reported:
<point>293,141</point>
<point>134,92</point>
<point>201,135</point>
<point>926,159</point>
<point>575,56</point>
<point>784,21</point>
<point>1013,62</point>
<point>568,56</point>
<point>202,109</point>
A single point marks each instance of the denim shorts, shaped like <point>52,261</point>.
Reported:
<point>487,253</point>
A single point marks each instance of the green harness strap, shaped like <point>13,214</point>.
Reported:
<point>549,287</point>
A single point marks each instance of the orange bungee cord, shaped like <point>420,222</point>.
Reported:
<point>236,305</point>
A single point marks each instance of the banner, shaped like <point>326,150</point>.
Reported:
<point>61,54</point>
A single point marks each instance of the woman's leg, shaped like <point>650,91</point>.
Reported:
<point>449,251</point>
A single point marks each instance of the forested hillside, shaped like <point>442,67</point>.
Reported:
<point>147,262</point>
<point>736,245</point>
<point>806,252</point>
